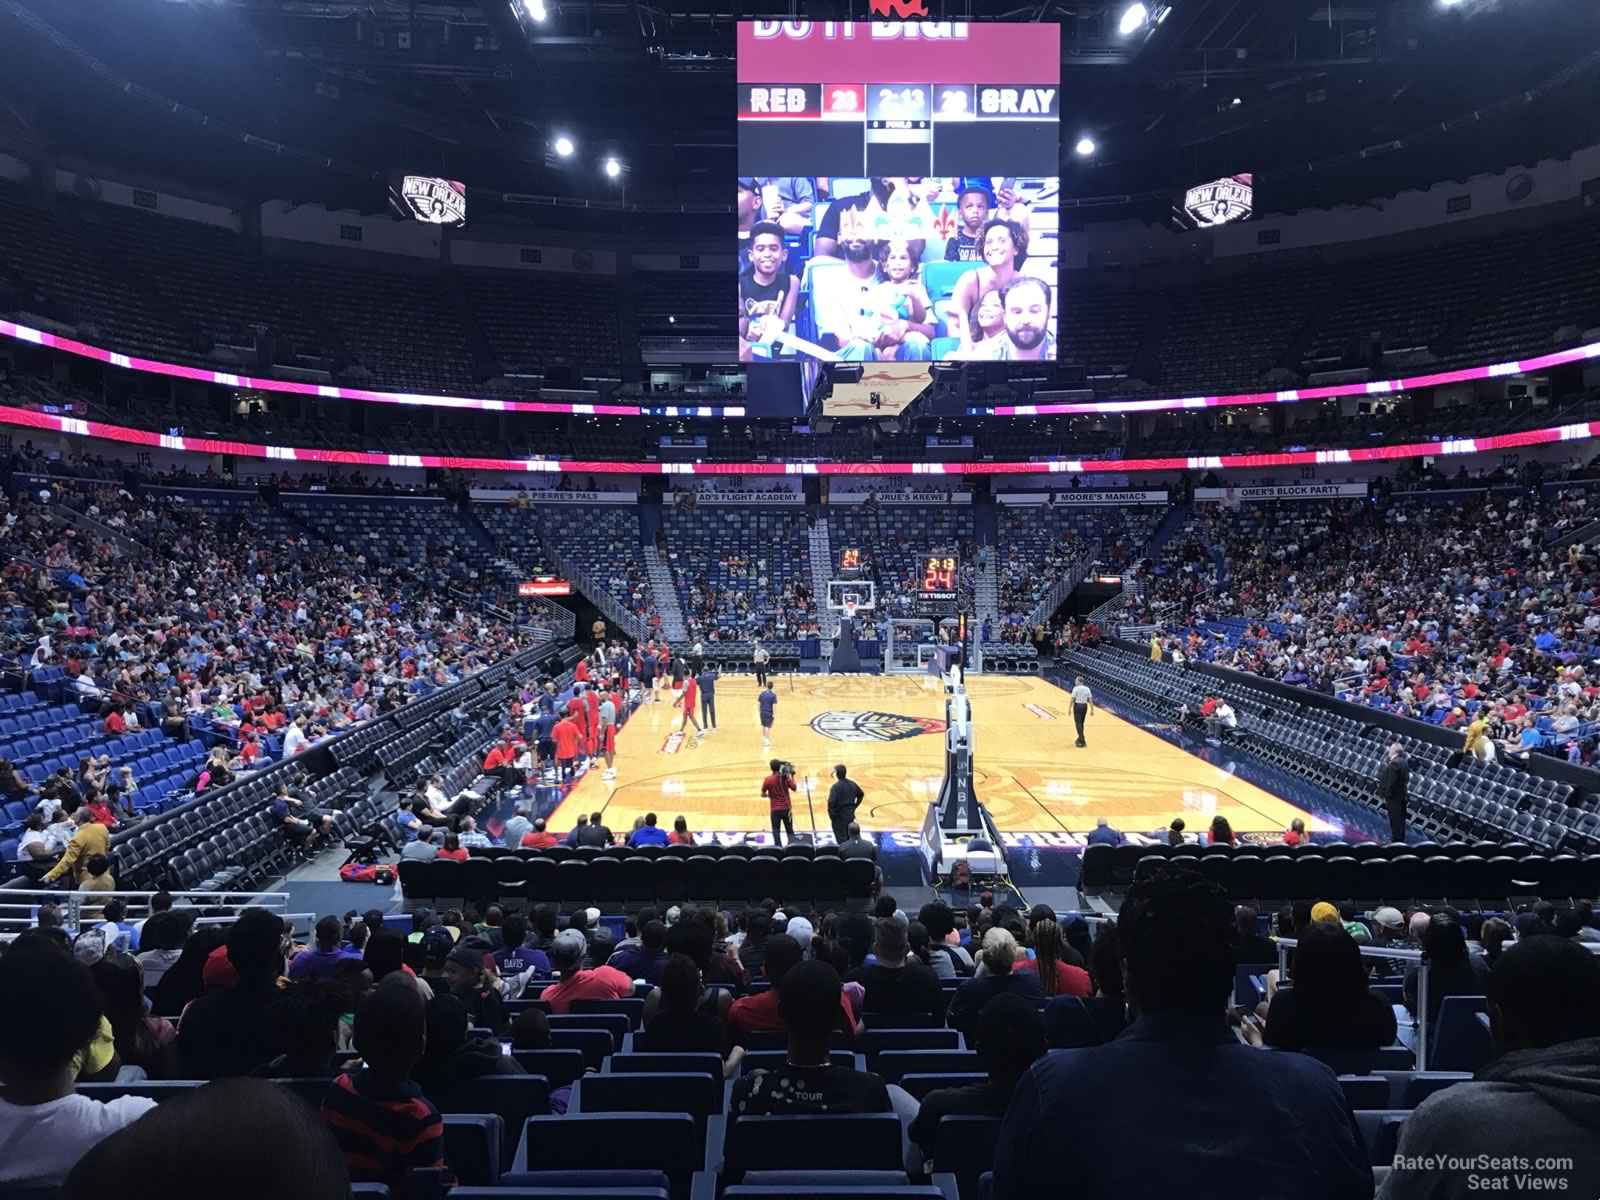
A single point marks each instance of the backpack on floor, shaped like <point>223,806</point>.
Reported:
<point>365,873</point>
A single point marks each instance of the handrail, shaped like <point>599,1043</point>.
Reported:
<point>1065,582</point>
<point>1394,954</point>
<point>608,604</point>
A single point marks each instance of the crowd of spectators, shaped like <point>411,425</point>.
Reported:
<point>1449,612</point>
<point>160,617</point>
<point>401,1019</point>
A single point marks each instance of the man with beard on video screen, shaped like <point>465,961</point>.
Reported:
<point>1026,304</point>
<point>863,214</point>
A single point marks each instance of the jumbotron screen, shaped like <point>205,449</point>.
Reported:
<point>898,197</point>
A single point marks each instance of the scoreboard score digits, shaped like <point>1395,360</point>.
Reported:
<point>939,576</point>
<point>850,559</point>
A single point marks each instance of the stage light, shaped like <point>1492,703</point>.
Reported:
<point>1448,3</point>
<point>613,168</point>
<point>1085,146</point>
<point>1236,102</point>
<point>564,146</point>
<point>1133,17</point>
<point>534,8</point>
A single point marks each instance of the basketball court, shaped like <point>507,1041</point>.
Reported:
<point>887,729</point>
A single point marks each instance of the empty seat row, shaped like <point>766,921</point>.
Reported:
<point>1466,882</point>
<point>609,883</point>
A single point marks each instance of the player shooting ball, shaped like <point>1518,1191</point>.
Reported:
<point>766,291</point>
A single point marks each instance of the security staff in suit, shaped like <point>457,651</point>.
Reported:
<point>1393,780</point>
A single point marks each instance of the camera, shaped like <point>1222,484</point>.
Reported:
<point>786,769</point>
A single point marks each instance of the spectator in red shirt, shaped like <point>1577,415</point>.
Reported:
<point>776,787</point>
<point>566,953</point>
<point>565,734</point>
<point>1296,833</point>
<point>251,750</point>
<point>453,849</point>
<point>501,762</point>
<point>760,1011</point>
<point>538,838</point>
<point>1056,977</point>
<point>115,725</point>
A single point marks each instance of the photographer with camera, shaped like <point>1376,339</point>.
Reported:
<point>777,788</point>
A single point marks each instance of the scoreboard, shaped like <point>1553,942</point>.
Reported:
<point>899,126</point>
<point>892,98</point>
<point>939,571</point>
<point>849,560</point>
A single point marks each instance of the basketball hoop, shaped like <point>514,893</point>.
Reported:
<point>850,610</point>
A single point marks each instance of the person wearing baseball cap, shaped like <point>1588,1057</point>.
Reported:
<point>468,973</point>
<point>566,953</point>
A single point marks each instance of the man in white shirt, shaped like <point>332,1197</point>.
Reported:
<point>294,738</point>
<point>518,825</point>
<point>50,1011</point>
<point>1082,705</point>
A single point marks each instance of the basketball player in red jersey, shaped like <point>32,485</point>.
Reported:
<point>691,694</point>
<point>591,709</point>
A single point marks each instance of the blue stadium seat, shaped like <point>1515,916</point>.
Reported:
<point>632,1141</point>
<point>562,1068</point>
<point>1365,1091</point>
<point>513,1098</point>
<point>707,1064</point>
<point>1380,1131</point>
<point>1458,1040</point>
<point>1418,1086</point>
<point>964,1147</point>
<point>688,1092</point>
<point>474,1146</point>
<point>892,1064</point>
<point>854,1142</point>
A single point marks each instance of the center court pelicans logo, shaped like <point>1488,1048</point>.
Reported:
<point>846,726</point>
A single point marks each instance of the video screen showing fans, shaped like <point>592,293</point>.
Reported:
<point>899,269</point>
<point>923,221</point>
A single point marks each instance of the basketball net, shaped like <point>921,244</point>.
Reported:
<point>850,610</point>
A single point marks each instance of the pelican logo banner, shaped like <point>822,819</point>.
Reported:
<point>1220,202</point>
<point>436,201</point>
<point>673,742</point>
<point>873,726</point>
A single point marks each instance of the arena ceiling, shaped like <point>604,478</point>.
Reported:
<point>1325,103</point>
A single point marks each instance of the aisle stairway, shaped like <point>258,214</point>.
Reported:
<point>986,591</point>
<point>665,593</point>
<point>822,570</point>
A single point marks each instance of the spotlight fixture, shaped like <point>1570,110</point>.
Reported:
<point>613,168</point>
<point>563,145</point>
<point>1085,146</point>
<point>535,9</point>
<point>1133,18</point>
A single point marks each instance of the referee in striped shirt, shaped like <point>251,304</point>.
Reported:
<point>1082,705</point>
